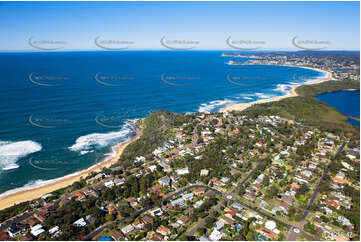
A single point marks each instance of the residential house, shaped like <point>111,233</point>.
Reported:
<point>178,202</point>
<point>227,220</point>
<point>156,212</point>
<point>127,229</point>
<point>188,196</point>
<point>163,230</point>
<point>37,230</point>
<point>132,201</point>
<point>147,219</point>
<point>41,215</point>
<point>31,221</point>
<point>138,224</point>
<point>295,185</point>
<point>117,236</point>
<point>182,171</point>
<point>54,231</point>
<point>157,237</point>
<point>119,181</point>
<point>267,233</point>
<point>15,229</point>
<point>109,184</point>
<point>204,172</point>
<point>249,197</point>
<point>235,172</point>
<point>80,222</point>
<point>237,206</point>
<point>183,220</point>
<point>199,191</point>
<point>198,204</point>
<point>218,225</point>
<point>164,181</point>
<point>216,235</point>
<point>231,213</point>
<point>284,207</point>
<point>216,182</point>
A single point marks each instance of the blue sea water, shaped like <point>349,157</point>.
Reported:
<point>347,102</point>
<point>62,111</point>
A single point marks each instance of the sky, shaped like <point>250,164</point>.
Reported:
<point>30,26</point>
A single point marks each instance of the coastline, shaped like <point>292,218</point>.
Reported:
<point>293,93</point>
<point>58,183</point>
<point>33,193</point>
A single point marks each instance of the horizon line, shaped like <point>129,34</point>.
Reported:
<point>129,50</point>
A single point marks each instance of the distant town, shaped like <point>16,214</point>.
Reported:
<point>343,65</point>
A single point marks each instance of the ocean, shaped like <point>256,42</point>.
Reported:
<point>62,111</point>
<point>346,102</point>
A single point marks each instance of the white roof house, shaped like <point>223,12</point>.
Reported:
<point>216,235</point>
<point>109,184</point>
<point>37,230</point>
<point>271,225</point>
<point>188,196</point>
<point>164,181</point>
<point>118,181</point>
<point>177,202</point>
<point>182,171</point>
<point>127,229</point>
<point>198,204</point>
<point>53,230</point>
<point>152,168</point>
<point>80,222</point>
<point>139,159</point>
<point>204,172</point>
<point>156,212</point>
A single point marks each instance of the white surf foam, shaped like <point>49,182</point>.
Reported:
<point>284,88</point>
<point>213,105</point>
<point>87,142</point>
<point>262,95</point>
<point>32,184</point>
<point>11,152</point>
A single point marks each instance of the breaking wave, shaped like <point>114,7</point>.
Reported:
<point>11,152</point>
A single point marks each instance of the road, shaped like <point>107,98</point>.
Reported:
<point>5,225</point>
<point>228,197</point>
<point>202,222</point>
<point>235,191</point>
<point>295,230</point>
<point>293,235</point>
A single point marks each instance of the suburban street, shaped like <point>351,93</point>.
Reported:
<point>293,235</point>
<point>227,197</point>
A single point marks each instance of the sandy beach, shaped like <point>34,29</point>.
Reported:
<point>292,93</point>
<point>31,194</point>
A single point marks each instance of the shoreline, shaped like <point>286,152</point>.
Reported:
<point>33,193</point>
<point>61,182</point>
<point>293,93</point>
